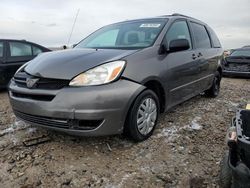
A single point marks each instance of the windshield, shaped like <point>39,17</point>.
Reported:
<point>128,35</point>
<point>241,53</point>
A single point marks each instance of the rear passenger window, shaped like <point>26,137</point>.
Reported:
<point>200,36</point>
<point>1,49</point>
<point>20,49</point>
<point>36,50</point>
<point>178,30</point>
<point>214,38</point>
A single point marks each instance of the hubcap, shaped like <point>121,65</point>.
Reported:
<point>146,116</point>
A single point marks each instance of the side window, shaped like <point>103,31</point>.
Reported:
<point>214,38</point>
<point>178,30</point>
<point>106,39</point>
<point>36,50</point>
<point>1,49</point>
<point>200,36</point>
<point>20,49</point>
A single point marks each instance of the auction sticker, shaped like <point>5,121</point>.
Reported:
<point>150,25</point>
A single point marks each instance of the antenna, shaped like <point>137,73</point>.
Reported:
<point>73,26</point>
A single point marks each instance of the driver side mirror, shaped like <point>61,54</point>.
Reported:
<point>178,45</point>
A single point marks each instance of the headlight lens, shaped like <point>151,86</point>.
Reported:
<point>99,75</point>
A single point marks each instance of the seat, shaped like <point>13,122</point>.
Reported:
<point>133,38</point>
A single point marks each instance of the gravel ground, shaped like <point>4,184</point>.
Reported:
<point>185,150</point>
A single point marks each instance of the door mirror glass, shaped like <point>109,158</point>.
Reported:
<point>178,45</point>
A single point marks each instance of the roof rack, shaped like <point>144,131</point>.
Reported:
<point>177,14</point>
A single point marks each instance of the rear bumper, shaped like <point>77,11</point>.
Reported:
<point>236,73</point>
<point>71,107</point>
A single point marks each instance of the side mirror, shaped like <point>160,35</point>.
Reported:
<point>178,45</point>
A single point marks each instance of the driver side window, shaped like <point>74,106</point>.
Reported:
<point>178,30</point>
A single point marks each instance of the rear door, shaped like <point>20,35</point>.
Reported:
<point>18,53</point>
<point>182,66</point>
<point>204,54</point>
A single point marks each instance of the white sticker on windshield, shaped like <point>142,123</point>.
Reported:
<point>150,25</point>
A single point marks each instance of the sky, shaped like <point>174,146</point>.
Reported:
<point>49,22</point>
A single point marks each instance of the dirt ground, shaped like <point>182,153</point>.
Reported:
<point>185,150</point>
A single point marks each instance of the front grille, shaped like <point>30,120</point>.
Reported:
<point>238,67</point>
<point>42,83</point>
<point>34,97</point>
<point>59,122</point>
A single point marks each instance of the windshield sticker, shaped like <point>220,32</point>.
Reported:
<point>150,25</point>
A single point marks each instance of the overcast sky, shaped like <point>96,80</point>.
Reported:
<point>49,22</point>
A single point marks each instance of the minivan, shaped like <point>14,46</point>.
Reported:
<point>119,78</point>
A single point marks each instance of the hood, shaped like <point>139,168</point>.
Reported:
<point>237,59</point>
<point>66,64</point>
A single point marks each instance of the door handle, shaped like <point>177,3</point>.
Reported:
<point>200,54</point>
<point>194,56</point>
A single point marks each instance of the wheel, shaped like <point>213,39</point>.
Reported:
<point>214,90</point>
<point>225,172</point>
<point>142,117</point>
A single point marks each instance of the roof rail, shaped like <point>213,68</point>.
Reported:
<point>177,14</point>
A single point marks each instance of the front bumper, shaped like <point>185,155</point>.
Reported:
<point>106,104</point>
<point>236,73</point>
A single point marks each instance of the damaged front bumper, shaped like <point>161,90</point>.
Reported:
<point>84,111</point>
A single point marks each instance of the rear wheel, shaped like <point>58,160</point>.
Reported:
<point>214,90</point>
<point>143,115</point>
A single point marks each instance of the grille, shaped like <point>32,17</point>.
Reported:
<point>42,83</point>
<point>238,67</point>
<point>59,123</point>
<point>34,97</point>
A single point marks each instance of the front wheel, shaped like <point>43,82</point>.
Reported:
<point>143,115</point>
<point>214,90</point>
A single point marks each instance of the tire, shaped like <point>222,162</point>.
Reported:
<point>225,172</point>
<point>142,117</point>
<point>214,90</point>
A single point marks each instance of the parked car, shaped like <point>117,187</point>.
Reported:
<point>237,63</point>
<point>118,79</point>
<point>13,54</point>
<point>247,46</point>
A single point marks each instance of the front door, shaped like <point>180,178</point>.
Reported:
<point>182,66</point>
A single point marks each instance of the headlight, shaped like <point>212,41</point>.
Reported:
<point>99,75</point>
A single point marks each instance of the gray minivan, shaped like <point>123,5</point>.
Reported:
<point>118,79</point>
